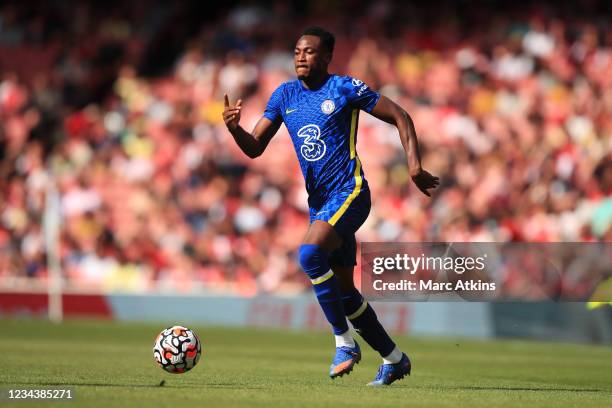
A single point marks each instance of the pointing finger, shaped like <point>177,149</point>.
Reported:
<point>226,101</point>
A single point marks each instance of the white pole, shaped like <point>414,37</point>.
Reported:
<point>51,225</point>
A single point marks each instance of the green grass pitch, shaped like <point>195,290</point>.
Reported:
<point>111,365</point>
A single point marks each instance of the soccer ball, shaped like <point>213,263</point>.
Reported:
<point>177,349</point>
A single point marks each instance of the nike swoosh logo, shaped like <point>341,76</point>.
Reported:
<point>288,111</point>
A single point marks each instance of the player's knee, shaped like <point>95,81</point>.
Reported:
<point>346,283</point>
<point>313,260</point>
<point>345,277</point>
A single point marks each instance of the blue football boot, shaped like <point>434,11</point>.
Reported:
<point>344,360</point>
<point>388,373</point>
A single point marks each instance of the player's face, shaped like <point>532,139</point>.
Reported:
<point>310,59</point>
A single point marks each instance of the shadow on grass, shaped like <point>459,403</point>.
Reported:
<point>533,389</point>
<point>155,385</point>
<point>502,388</point>
<point>481,388</point>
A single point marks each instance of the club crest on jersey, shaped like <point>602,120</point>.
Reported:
<point>313,148</point>
<point>328,106</point>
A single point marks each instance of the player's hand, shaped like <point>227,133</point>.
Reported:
<point>231,114</point>
<point>424,181</point>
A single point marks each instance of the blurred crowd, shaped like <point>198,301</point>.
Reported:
<point>119,110</point>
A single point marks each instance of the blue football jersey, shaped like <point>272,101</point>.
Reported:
<point>323,128</point>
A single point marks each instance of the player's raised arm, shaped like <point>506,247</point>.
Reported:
<point>390,112</point>
<point>252,144</point>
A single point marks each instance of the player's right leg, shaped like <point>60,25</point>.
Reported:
<point>363,318</point>
<point>320,240</point>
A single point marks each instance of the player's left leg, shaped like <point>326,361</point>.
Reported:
<point>395,363</point>
<point>320,240</point>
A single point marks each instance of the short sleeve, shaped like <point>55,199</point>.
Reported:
<point>273,108</point>
<point>359,95</point>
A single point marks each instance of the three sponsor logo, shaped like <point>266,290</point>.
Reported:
<point>313,147</point>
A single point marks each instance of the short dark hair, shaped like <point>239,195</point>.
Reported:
<point>327,39</point>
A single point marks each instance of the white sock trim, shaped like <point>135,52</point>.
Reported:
<point>394,357</point>
<point>345,339</point>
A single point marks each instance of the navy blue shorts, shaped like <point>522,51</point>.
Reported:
<point>346,211</point>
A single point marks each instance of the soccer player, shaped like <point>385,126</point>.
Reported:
<point>321,112</point>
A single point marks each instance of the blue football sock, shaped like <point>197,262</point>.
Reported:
<point>314,261</point>
<point>365,322</point>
